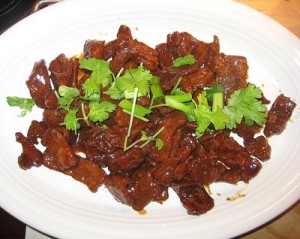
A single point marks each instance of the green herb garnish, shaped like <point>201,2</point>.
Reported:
<point>244,103</point>
<point>147,139</point>
<point>184,60</point>
<point>100,111</point>
<point>25,104</point>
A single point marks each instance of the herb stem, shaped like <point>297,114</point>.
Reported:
<point>133,144</point>
<point>176,85</point>
<point>178,102</point>
<point>85,117</point>
<point>131,117</point>
<point>136,116</point>
<point>139,111</point>
<point>157,106</point>
<point>152,137</point>
<point>218,101</point>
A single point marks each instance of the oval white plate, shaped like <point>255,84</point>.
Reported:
<point>59,206</point>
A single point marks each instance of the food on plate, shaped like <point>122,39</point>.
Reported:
<point>142,121</point>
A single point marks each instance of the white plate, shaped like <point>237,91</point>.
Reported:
<point>59,206</point>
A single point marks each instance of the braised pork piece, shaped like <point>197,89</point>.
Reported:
<point>141,175</point>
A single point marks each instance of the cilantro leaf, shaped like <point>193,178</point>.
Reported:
<point>184,60</point>
<point>125,82</point>
<point>114,92</point>
<point>135,78</point>
<point>25,104</point>
<point>100,111</point>
<point>91,89</point>
<point>159,144</point>
<point>67,91</point>
<point>244,103</point>
<point>67,95</point>
<point>101,76</point>
<point>101,72</point>
<point>71,120</point>
<point>203,119</point>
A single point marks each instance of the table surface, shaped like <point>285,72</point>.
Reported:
<point>287,13</point>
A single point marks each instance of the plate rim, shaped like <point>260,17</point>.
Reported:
<point>289,35</point>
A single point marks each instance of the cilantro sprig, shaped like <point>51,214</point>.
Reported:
<point>242,104</point>
<point>132,84</point>
<point>100,69</point>
<point>25,104</point>
<point>71,120</point>
<point>147,139</point>
<point>101,76</point>
<point>206,115</point>
<point>100,111</point>
<point>139,111</point>
<point>245,104</point>
<point>66,96</point>
<point>123,86</point>
<point>129,86</point>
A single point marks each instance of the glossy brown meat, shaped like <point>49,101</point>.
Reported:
<point>165,57</point>
<point>51,101</point>
<point>61,71</point>
<point>93,49</point>
<point>205,168</point>
<point>124,31</point>
<point>144,54</point>
<point>117,184</point>
<point>105,141</point>
<point>126,51</point>
<point>36,131</point>
<point>50,161</point>
<point>142,190</point>
<point>163,174</point>
<point>120,60</point>
<point>172,132</point>
<point>126,161</point>
<point>136,190</point>
<point>231,72</point>
<point>53,118</point>
<point>203,77</point>
<point>278,116</point>
<point>258,147</point>
<point>180,44</point>
<point>246,131</point>
<point>39,84</point>
<point>58,147</point>
<point>187,145</point>
<point>169,76</point>
<point>30,156</point>
<point>145,189</point>
<point>88,173</point>
<point>201,51</point>
<point>239,164</point>
<point>75,72</point>
<point>138,52</point>
<point>194,197</point>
